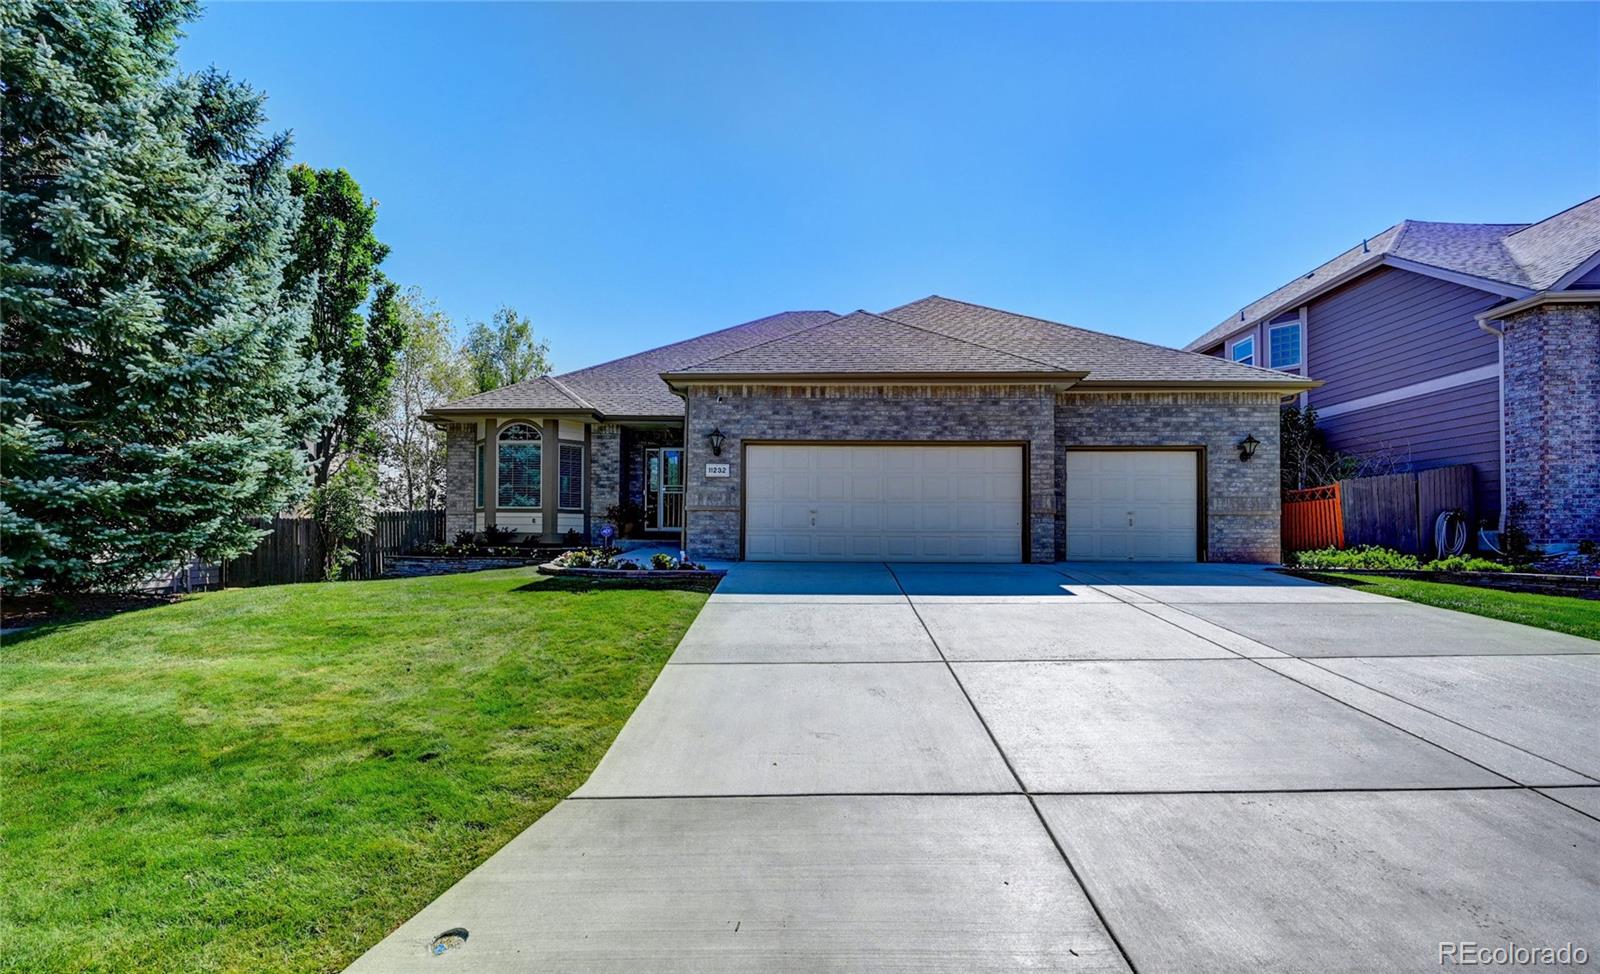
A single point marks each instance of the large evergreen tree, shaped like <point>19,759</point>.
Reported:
<point>155,395</point>
<point>355,326</point>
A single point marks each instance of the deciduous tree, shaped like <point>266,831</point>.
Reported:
<point>505,352</point>
<point>354,328</point>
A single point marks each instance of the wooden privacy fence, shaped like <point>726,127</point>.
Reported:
<point>1395,511</point>
<point>292,549</point>
<point>1312,519</point>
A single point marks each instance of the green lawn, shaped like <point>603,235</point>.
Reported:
<point>1577,617</point>
<point>272,779</point>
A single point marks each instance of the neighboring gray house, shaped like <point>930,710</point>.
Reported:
<point>935,431</point>
<point>1450,343</point>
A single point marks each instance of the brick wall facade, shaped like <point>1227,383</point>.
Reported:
<point>1552,421</point>
<point>858,413</point>
<point>1242,498</point>
<point>1242,518</point>
<point>460,479</point>
<point>605,470</point>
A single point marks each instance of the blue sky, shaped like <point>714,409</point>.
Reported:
<point>632,175</point>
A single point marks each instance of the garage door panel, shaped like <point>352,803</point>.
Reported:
<point>891,502</point>
<point>1136,505</point>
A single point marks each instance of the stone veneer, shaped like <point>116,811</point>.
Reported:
<point>460,479</point>
<point>1242,499</point>
<point>1552,421</point>
<point>1242,522</point>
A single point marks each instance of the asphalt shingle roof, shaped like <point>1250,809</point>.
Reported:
<point>1524,256</point>
<point>865,343</point>
<point>1106,358</point>
<point>933,336</point>
<point>632,386</point>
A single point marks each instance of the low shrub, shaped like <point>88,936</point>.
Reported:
<point>1464,563</point>
<point>1362,556</point>
<point>1373,557</point>
<point>661,561</point>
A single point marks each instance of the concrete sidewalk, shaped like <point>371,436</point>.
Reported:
<point>1070,767</point>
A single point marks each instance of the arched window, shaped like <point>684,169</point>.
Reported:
<point>519,466</point>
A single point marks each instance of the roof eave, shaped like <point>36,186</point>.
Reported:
<point>677,380</point>
<point>1289,383</point>
<point>1534,300</point>
<point>1210,338</point>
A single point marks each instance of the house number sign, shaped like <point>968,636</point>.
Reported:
<point>716,470</point>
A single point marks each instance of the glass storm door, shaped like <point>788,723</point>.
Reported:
<point>663,494</point>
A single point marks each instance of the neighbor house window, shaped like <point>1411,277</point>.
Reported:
<point>1244,351</point>
<point>1283,345</point>
<point>519,466</point>
<point>571,492</point>
<point>480,474</point>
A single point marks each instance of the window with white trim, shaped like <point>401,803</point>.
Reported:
<point>519,467</point>
<point>570,493</point>
<point>1283,345</point>
<point>1244,351</point>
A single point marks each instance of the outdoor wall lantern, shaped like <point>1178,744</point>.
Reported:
<point>1247,448</point>
<point>716,439</point>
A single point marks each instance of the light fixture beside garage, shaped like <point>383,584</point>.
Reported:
<point>716,439</point>
<point>1247,447</point>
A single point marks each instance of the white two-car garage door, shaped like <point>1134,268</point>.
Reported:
<point>901,502</point>
<point>1132,505</point>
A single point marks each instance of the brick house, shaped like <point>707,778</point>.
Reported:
<point>1454,343</point>
<point>936,431</point>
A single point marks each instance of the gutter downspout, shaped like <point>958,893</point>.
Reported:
<point>1500,352</point>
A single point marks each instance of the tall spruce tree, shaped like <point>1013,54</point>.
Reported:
<point>355,327</point>
<point>154,394</point>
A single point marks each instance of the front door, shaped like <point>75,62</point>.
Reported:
<point>663,490</point>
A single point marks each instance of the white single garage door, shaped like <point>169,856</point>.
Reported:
<point>883,503</point>
<point>1132,505</point>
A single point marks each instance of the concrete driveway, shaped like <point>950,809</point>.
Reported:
<point>1071,767</point>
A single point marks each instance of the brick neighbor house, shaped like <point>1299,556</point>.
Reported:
<point>1454,343</point>
<point>935,431</point>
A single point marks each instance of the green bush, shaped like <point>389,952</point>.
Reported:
<point>661,561</point>
<point>1465,563</point>
<point>1363,556</point>
<point>1387,559</point>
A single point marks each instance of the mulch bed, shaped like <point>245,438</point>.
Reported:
<point>1575,586</point>
<point>643,574</point>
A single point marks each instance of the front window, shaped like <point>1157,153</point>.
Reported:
<point>571,492</point>
<point>1283,345</point>
<point>519,467</point>
<point>1244,351</point>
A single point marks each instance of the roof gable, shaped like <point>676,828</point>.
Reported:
<point>1513,259</point>
<point>862,343</point>
<point>1550,249</point>
<point>1108,359</point>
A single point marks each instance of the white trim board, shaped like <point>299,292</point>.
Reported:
<point>1443,382</point>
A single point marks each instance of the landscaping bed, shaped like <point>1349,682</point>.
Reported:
<point>617,563</point>
<point>1574,586</point>
<point>1558,613</point>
